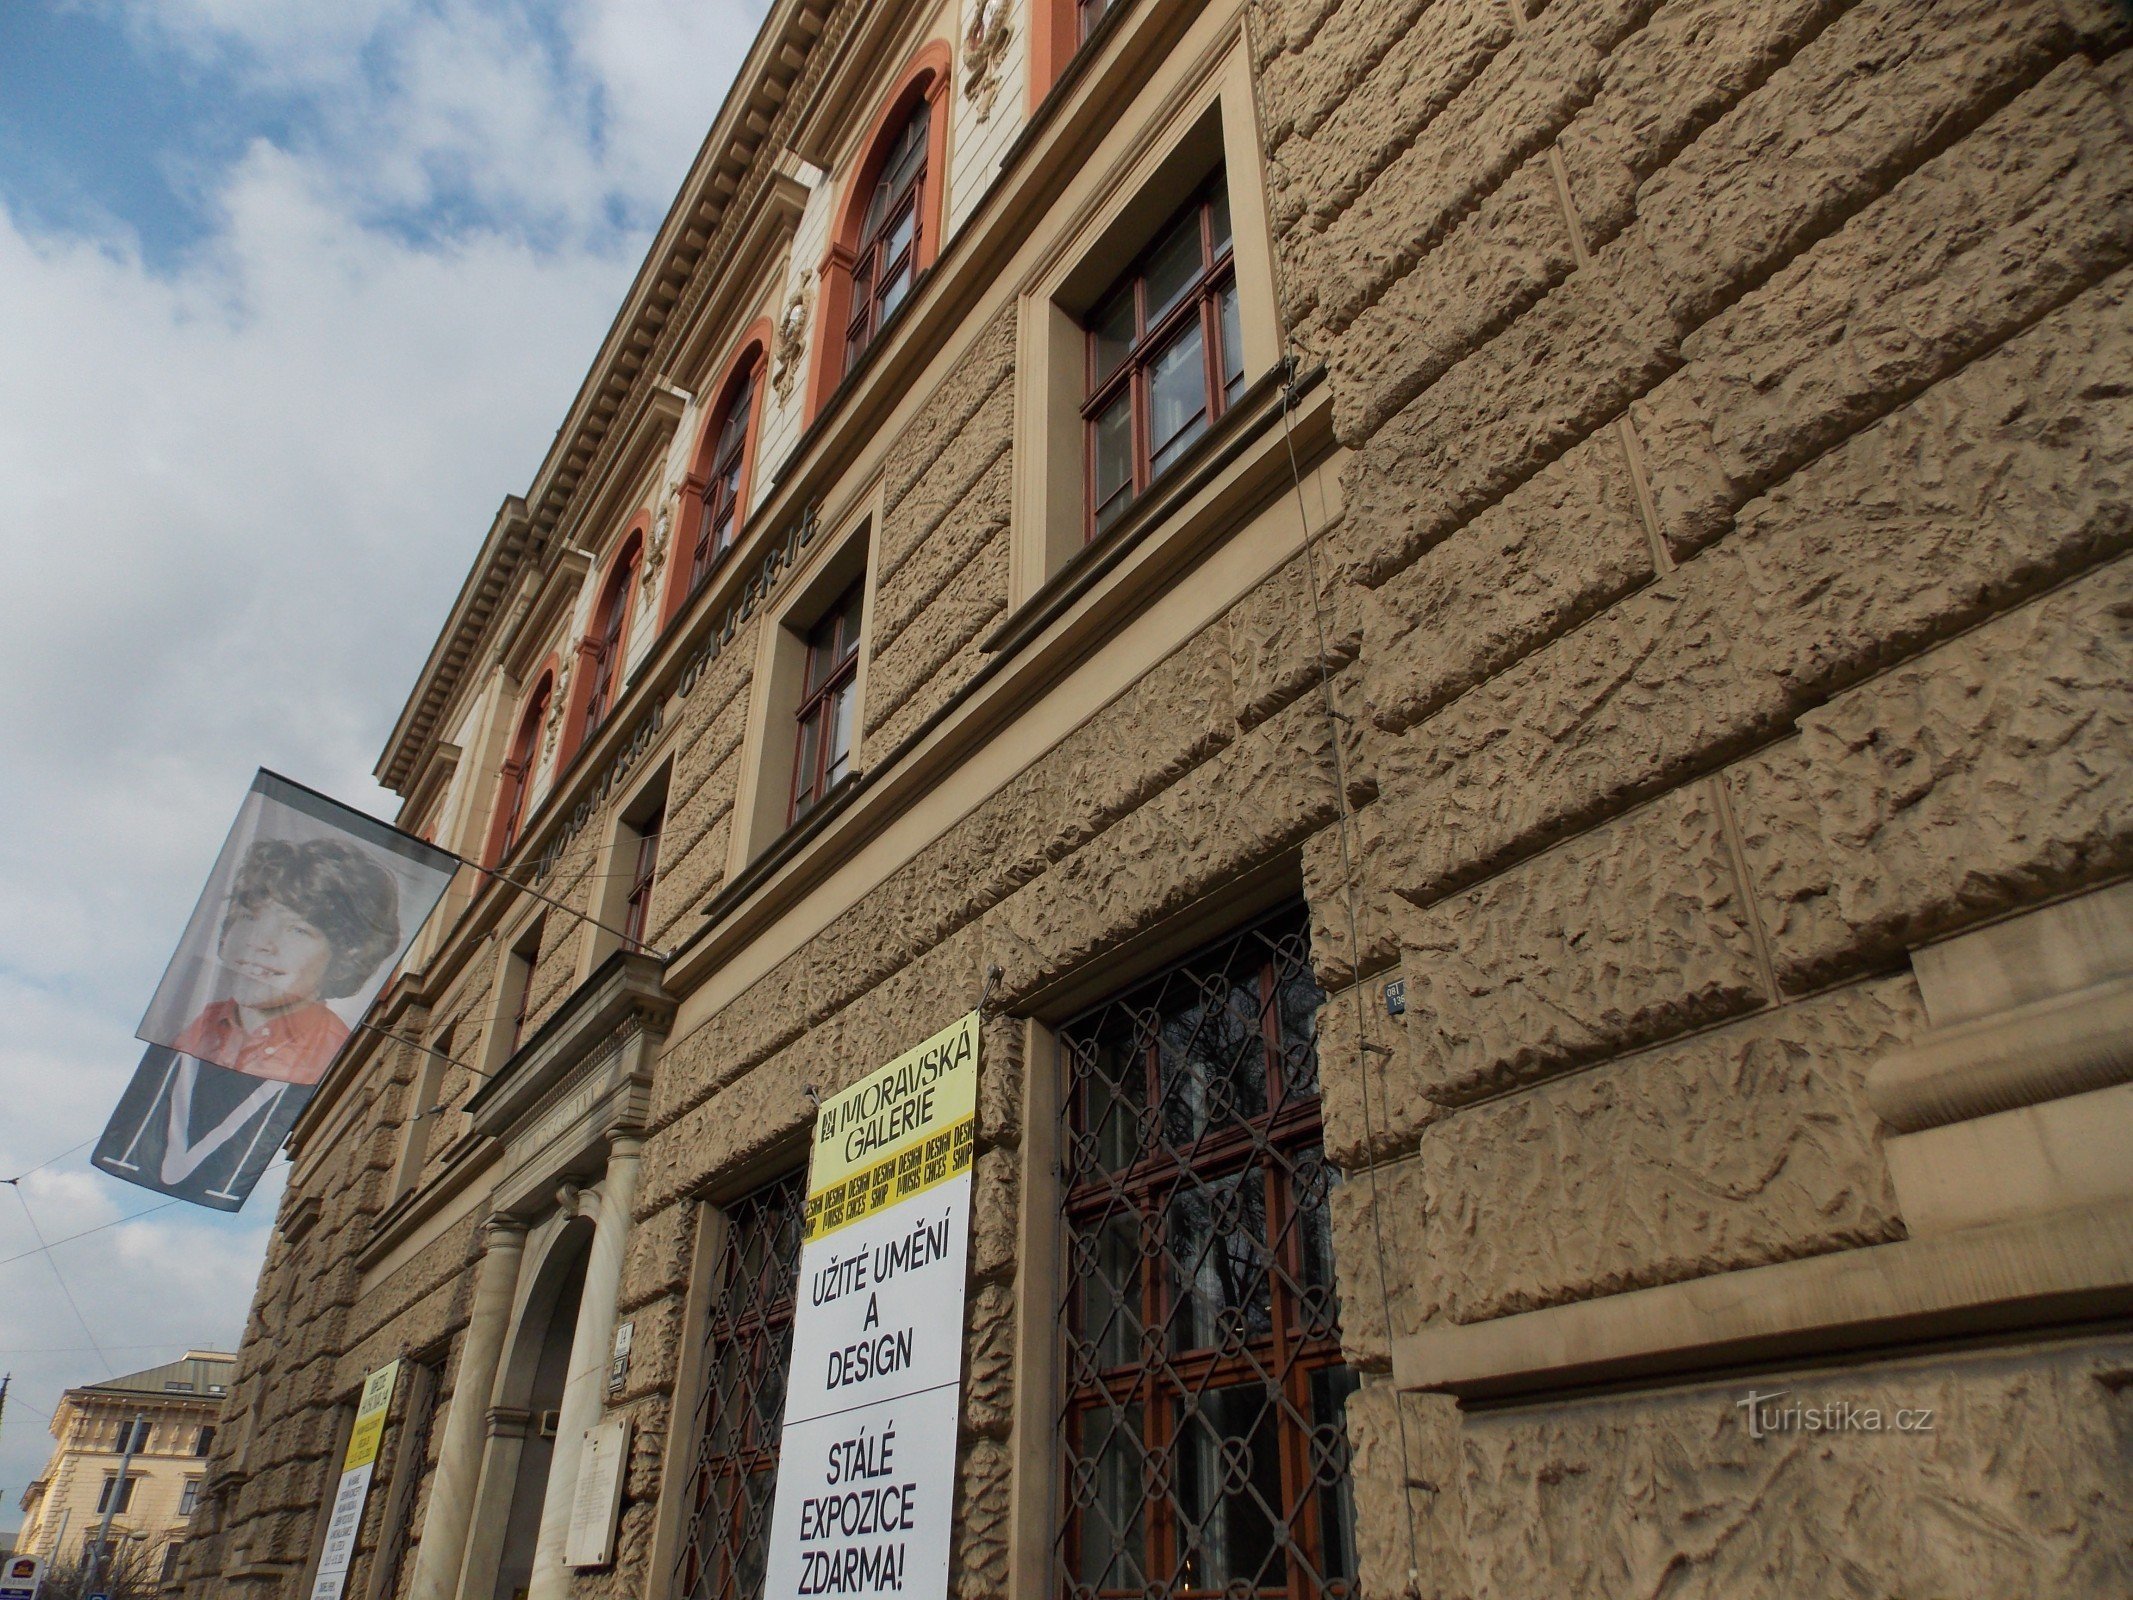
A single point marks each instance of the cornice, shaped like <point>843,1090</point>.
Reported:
<point>727,166</point>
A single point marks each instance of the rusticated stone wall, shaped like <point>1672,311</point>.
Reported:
<point>941,566</point>
<point>1734,566</point>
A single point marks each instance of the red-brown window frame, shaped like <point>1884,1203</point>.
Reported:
<point>518,770</point>
<point>637,909</point>
<point>1201,301</point>
<point>727,484</point>
<point>1167,1385</point>
<point>748,1346</point>
<point>811,754</point>
<point>872,264</point>
<point>609,631</point>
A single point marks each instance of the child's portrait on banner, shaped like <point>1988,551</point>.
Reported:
<point>308,921</point>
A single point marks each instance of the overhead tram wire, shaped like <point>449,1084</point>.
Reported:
<point>131,1216</point>
<point>59,1277</point>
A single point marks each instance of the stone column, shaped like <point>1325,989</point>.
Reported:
<point>444,1526</point>
<point>590,1344</point>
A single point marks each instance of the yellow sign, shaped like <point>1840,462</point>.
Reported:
<point>896,1132</point>
<point>370,1417</point>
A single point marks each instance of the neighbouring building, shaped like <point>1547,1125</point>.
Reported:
<point>167,1415</point>
<point>1499,635</point>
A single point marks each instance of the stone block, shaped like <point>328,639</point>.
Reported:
<point>995,1216</point>
<point>946,552</point>
<point>1879,91</point>
<point>1265,793</point>
<point>1563,545</point>
<point>1970,249</point>
<point>1985,776</point>
<point>989,1371</point>
<point>1667,83</point>
<point>1379,1247</point>
<point>2006,477</point>
<point>744,1120</point>
<point>936,655</point>
<point>1572,362</point>
<point>1279,26</point>
<point>1002,1085</point>
<point>1309,80</point>
<point>655,1262</point>
<point>2016,1487</point>
<point>1744,1146</point>
<point>914,1003</point>
<point>1388,182</point>
<point>1631,933</point>
<point>1282,638</point>
<point>768,1015</point>
<point>1494,263</point>
<point>951,481</point>
<point>1175,717</point>
<point>1371,1094</point>
<point>983,1521</point>
<point>1336,957</point>
<point>1404,1466</point>
<point>971,382</point>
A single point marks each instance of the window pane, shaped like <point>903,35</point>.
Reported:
<point>1232,346</point>
<point>1177,397</point>
<point>1113,332</point>
<point>895,285</point>
<point>1218,1252</point>
<point>840,736</point>
<point>1218,206</point>
<point>1107,1270</point>
<point>1174,266</point>
<point>1229,1489</point>
<point>1114,456</point>
<point>1330,1389</point>
<point>1108,1492</point>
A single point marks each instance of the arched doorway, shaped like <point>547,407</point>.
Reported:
<point>538,1366</point>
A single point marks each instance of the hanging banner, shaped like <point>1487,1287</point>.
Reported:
<point>357,1468</point>
<point>866,1469</point>
<point>309,909</point>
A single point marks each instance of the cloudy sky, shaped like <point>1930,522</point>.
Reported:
<point>292,294</point>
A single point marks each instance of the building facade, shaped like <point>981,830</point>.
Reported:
<point>168,1416</point>
<point>1495,637</point>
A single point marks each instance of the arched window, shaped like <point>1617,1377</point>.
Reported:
<point>889,235</point>
<point>518,771</point>
<point>610,630</point>
<point>724,484</point>
<point>888,225</point>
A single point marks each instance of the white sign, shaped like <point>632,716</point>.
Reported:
<point>596,1507</point>
<point>357,1468</point>
<point>866,1470</point>
<point>20,1576</point>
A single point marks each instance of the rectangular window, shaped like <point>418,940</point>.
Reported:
<point>1165,355</point>
<point>125,1494</point>
<point>637,908</point>
<point>1092,12</point>
<point>132,1436</point>
<point>1203,1424</point>
<point>170,1561</point>
<point>188,1497</point>
<point>748,1347</point>
<point>204,1443</point>
<point>823,754</point>
<point>518,976</point>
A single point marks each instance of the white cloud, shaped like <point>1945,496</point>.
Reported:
<point>235,500</point>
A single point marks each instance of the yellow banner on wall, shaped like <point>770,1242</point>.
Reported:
<point>896,1132</point>
<point>370,1417</point>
